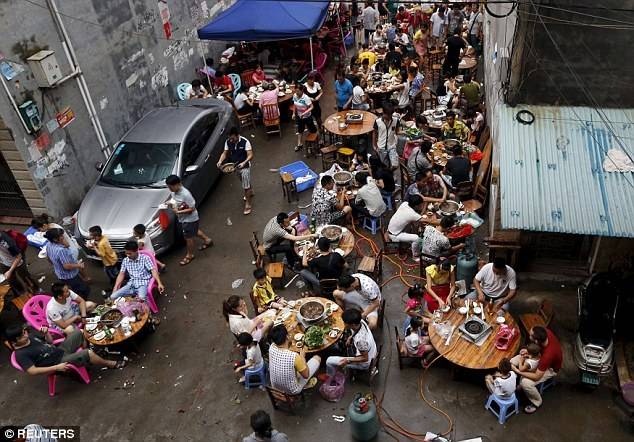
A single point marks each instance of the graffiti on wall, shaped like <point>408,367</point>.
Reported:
<point>160,78</point>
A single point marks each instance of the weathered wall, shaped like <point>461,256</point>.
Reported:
<point>129,65</point>
<point>594,41</point>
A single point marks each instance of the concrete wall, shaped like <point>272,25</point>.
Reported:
<point>129,65</point>
<point>498,41</point>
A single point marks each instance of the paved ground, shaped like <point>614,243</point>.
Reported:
<point>184,389</point>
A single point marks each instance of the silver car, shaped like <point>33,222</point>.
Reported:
<point>185,140</point>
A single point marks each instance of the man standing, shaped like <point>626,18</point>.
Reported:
<point>185,210</point>
<point>549,365</point>
<point>370,18</point>
<point>496,283</point>
<point>240,153</point>
<point>64,263</point>
<point>455,44</point>
<point>343,91</point>
<point>475,29</point>
<point>384,136</point>
<point>140,270</point>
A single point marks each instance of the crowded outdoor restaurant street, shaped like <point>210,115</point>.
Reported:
<point>308,247</point>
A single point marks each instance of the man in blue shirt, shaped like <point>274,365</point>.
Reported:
<point>343,90</point>
<point>64,263</point>
<point>140,269</point>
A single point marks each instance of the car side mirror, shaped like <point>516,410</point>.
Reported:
<point>190,170</point>
<point>99,166</point>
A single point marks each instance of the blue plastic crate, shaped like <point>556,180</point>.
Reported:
<point>297,169</point>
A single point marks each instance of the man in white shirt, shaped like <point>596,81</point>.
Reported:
<point>359,97</point>
<point>385,136</point>
<point>66,308</point>
<point>361,340</point>
<point>495,283</point>
<point>369,201</point>
<point>438,27</point>
<point>362,292</point>
<point>474,29</point>
<point>370,17</point>
<point>407,213</point>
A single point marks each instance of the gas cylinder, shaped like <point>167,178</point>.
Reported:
<point>466,268</point>
<point>364,423</point>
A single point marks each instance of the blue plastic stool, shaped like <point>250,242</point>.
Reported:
<point>260,373</point>
<point>545,385</point>
<point>372,224</point>
<point>388,199</point>
<point>507,407</point>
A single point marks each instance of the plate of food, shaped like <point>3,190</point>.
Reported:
<point>332,233</point>
<point>500,320</point>
<point>298,336</point>
<point>99,335</point>
<point>291,303</point>
<point>314,336</point>
<point>285,315</point>
<point>228,167</point>
<point>90,326</point>
<point>280,94</point>
<point>333,334</point>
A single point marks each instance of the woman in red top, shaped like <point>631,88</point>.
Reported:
<point>258,76</point>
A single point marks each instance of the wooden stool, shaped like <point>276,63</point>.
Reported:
<point>436,70</point>
<point>434,57</point>
<point>328,156</point>
<point>344,156</point>
<point>289,185</point>
<point>311,144</point>
<point>21,300</point>
<point>275,271</point>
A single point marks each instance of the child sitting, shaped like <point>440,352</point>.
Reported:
<point>415,344</point>
<point>263,294</point>
<point>528,359</point>
<point>415,307</point>
<point>145,243</point>
<point>253,358</point>
<point>504,381</point>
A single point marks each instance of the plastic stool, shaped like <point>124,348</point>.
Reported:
<point>372,224</point>
<point>507,407</point>
<point>545,385</point>
<point>388,199</point>
<point>344,156</point>
<point>260,373</point>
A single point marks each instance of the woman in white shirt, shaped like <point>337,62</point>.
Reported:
<point>243,103</point>
<point>314,91</point>
<point>402,93</point>
<point>359,97</point>
<point>378,36</point>
<point>235,311</point>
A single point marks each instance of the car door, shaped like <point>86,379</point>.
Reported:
<point>197,153</point>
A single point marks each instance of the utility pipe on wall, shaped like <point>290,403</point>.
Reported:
<point>81,81</point>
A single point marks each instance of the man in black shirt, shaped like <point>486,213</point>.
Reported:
<point>35,353</point>
<point>455,44</point>
<point>392,57</point>
<point>458,167</point>
<point>328,265</point>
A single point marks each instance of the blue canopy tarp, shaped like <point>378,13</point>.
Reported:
<point>266,20</point>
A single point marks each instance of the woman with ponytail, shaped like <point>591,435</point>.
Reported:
<point>263,429</point>
<point>235,311</point>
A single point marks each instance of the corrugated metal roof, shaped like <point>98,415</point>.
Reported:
<point>551,171</point>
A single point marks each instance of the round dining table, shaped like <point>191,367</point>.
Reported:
<point>118,335</point>
<point>365,127</point>
<point>466,354</point>
<point>294,326</point>
<point>439,156</point>
<point>346,244</point>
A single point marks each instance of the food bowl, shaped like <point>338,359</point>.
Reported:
<point>477,310</point>
<point>342,178</point>
<point>311,312</point>
<point>500,319</point>
<point>113,316</point>
<point>451,143</point>
<point>299,336</point>
<point>448,208</point>
<point>463,310</point>
<point>332,233</point>
<point>228,167</point>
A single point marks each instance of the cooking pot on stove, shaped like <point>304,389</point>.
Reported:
<point>342,178</point>
<point>448,208</point>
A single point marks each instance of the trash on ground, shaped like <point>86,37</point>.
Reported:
<point>237,283</point>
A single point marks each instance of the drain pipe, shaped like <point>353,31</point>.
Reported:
<point>79,77</point>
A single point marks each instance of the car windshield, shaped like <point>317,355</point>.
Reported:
<point>140,164</point>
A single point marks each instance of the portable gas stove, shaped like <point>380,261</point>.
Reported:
<point>474,328</point>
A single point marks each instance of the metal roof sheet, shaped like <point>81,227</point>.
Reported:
<point>551,171</point>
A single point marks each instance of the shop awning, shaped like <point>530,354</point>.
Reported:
<point>266,20</point>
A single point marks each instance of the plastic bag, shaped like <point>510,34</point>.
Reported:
<point>504,337</point>
<point>333,388</point>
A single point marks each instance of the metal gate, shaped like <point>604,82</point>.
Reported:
<point>12,202</point>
